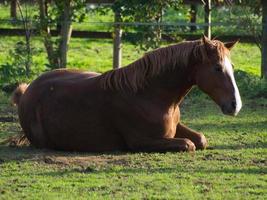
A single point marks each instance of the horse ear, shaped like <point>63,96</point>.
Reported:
<point>205,39</point>
<point>206,46</point>
<point>230,45</point>
<point>207,42</point>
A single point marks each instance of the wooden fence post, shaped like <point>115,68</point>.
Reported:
<point>117,42</point>
<point>264,40</point>
<point>208,18</point>
<point>65,33</point>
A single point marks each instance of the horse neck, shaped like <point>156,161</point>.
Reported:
<point>171,86</point>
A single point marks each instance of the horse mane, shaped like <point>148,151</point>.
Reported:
<point>135,76</point>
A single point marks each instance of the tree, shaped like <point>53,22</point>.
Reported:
<point>207,9</point>
<point>18,67</point>
<point>59,14</point>
<point>193,16</point>
<point>264,40</point>
<point>259,8</point>
<point>147,12</point>
<point>13,9</point>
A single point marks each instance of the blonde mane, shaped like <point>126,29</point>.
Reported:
<point>136,75</point>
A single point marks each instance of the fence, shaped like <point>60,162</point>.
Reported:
<point>195,29</point>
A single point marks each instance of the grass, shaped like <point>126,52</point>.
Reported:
<point>87,54</point>
<point>234,166</point>
<point>246,57</point>
<point>96,55</point>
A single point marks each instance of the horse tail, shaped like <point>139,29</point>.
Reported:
<point>17,94</point>
<point>17,140</point>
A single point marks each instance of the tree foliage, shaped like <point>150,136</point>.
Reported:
<point>59,14</point>
<point>145,11</point>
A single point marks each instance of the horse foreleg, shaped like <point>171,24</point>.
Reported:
<point>162,145</point>
<point>197,138</point>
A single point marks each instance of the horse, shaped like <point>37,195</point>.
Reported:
<point>133,108</point>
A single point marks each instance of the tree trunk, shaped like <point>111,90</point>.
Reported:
<point>27,29</point>
<point>29,52</point>
<point>158,28</point>
<point>13,9</point>
<point>45,32</point>
<point>193,17</point>
<point>208,18</point>
<point>117,43</point>
<point>264,40</point>
<point>65,33</point>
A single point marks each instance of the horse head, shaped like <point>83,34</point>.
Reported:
<point>215,75</point>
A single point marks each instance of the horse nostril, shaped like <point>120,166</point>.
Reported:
<point>233,104</point>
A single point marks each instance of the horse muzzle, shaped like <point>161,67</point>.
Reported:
<point>231,108</point>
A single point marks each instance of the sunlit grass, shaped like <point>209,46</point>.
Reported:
<point>234,166</point>
<point>96,55</point>
<point>246,57</point>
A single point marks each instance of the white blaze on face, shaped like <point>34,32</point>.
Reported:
<point>230,72</point>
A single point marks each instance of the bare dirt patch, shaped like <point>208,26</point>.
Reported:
<point>84,160</point>
<point>260,162</point>
<point>16,149</point>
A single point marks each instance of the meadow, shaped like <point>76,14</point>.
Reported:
<point>233,167</point>
<point>96,54</point>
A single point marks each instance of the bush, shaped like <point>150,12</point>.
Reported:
<point>251,86</point>
<point>14,71</point>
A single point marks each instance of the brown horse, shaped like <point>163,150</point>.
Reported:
<point>135,108</point>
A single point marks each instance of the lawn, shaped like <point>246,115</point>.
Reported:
<point>233,167</point>
<point>96,54</point>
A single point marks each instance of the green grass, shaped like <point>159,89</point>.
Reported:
<point>234,166</point>
<point>246,57</point>
<point>96,55</point>
<point>87,54</point>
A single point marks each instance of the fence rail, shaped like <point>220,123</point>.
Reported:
<point>109,35</point>
<point>178,24</point>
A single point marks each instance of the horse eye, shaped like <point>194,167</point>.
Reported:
<point>218,68</point>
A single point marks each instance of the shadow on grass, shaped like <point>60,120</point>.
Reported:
<point>231,126</point>
<point>241,146</point>
<point>148,171</point>
<point>9,154</point>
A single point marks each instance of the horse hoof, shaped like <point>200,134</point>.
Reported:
<point>202,143</point>
<point>190,146</point>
